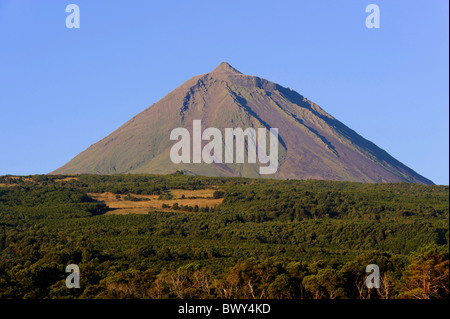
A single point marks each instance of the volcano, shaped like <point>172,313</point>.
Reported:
<point>312,144</point>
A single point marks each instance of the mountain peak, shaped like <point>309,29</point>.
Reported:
<point>225,67</point>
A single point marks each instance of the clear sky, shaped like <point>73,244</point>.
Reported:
<point>62,89</point>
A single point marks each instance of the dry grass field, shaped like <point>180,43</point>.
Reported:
<point>119,205</point>
<point>10,178</point>
<point>67,179</point>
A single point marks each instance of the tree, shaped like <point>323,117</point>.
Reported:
<point>281,288</point>
<point>218,194</point>
<point>427,275</point>
<point>326,284</point>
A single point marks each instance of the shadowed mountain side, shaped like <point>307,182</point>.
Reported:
<point>312,144</point>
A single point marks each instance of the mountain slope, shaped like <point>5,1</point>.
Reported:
<point>312,144</point>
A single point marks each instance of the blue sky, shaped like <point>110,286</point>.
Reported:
<point>62,89</point>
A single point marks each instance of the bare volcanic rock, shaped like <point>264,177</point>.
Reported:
<point>312,143</point>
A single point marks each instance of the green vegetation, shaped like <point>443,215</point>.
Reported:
<point>268,238</point>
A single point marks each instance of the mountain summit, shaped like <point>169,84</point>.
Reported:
<point>311,143</point>
<point>225,67</point>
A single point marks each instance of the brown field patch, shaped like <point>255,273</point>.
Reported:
<point>177,193</point>
<point>9,180</point>
<point>202,198</point>
<point>67,179</point>
<point>10,185</point>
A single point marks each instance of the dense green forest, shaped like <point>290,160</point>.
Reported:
<point>267,239</point>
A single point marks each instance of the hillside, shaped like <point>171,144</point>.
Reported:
<point>311,239</point>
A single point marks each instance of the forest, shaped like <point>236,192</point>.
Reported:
<point>261,238</point>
